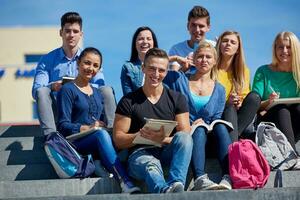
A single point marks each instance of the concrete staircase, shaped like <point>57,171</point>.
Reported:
<point>26,173</point>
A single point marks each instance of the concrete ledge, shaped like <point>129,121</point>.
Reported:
<point>261,194</point>
<point>21,143</point>
<point>27,172</point>
<point>20,131</point>
<point>58,187</point>
<point>25,157</point>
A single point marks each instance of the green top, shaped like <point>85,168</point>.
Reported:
<point>266,79</point>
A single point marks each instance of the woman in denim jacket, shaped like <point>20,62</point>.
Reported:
<point>132,76</point>
<point>206,99</point>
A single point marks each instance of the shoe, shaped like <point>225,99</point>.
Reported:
<point>175,187</point>
<point>204,183</point>
<point>100,171</point>
<point>128,188</point>
<point>225,183</point>
<point>297,165</point>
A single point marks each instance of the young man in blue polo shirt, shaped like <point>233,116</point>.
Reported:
<point>59,63</point>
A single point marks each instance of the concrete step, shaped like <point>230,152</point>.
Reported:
<point>72,191</point>
<point>57,187</point>
<point>25,157</point>
<point>21,143</point>
<point>20,131</point>
<point>27,172</point>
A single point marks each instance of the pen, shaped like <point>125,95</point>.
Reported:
<point>271,89</point>
<point>94,118</point>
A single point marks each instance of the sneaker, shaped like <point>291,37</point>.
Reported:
<point>175,187</point>
<point>297,165</point>
<point>225,183</point>
<point>129,188</point>
<point>100,171</point>
<point>204,183</point>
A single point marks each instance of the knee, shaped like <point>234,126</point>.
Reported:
<point>43,93</point>
<point>106,90</point>
<point>183,139</point>
<point>253,98</point>
<point>102,136</point>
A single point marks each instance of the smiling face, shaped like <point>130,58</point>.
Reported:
<point>204,60</point>
<point>283,51</point>
<point>229,45</point>
<point>197,28</point>
<point>144,42</point>
<point>88,66</point>
<point>155,70</point>
<point>71,35</point>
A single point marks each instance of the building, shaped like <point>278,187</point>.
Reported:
<point>20,50</point>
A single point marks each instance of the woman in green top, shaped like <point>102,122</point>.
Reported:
<point>281,79</point>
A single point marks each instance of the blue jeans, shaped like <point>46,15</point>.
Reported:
<point>223,140</point>
<point>147,164</point>
<point>100,145</point>
<point>47,110</point>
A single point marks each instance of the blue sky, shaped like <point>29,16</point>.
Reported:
<point>109,25</point>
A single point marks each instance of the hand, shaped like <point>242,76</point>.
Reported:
<point>98,123</point>
<point>235,99</point>
<point>184,62</point>
<point>198,121</point>
<point>55,86</point>
<point>273,96</point>
<point>156,136</point>
<point>190,58</point>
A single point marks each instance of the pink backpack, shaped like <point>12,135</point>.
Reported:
<point>248,167</point>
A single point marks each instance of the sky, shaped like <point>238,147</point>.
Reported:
<point>109,25</point>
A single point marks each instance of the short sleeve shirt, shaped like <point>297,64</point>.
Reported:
<point>136,106</point>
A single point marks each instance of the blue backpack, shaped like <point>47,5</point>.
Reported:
<point>64,158</point>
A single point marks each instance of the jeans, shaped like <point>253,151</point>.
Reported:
<point>110,103</point>
<point>147,164</point>
<point>100,145</point>
<point>223,140</point>
<point>47,110</point>
<point>243,117</point>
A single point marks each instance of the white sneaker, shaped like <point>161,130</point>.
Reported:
<point>175,187</point>
<point>225,183</point>
<point>297,165</point>
<point>129,188</point>
<point>101,171</point>
<point>204,183</point>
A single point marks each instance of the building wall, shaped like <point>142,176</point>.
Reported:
<point>15,92</point>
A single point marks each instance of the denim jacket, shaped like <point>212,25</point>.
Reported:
<point>131,77</point>
<point>209,112</point>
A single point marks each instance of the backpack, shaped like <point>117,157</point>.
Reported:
<point>247,166</point>
<point>275,146</point>
<point>65,160</point>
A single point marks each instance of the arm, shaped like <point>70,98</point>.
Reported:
<point>183,64</point>
<point>220,104</point>
<point>125,80</point>
<point>121,137</point>
<point>41,78</point>
<point>64,104</point>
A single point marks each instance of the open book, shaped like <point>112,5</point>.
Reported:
<point>283,101</point>
<point>85,133</point>
<point>209,127</point>
<point>67,79</point>
<point>155,124</point>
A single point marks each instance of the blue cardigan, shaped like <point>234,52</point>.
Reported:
<point>178,81</point>
<point>76,108</point>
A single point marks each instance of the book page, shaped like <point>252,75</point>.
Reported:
<point>209,127</point>
<point>85,133</point>
<point>283,101</point>
<point>156,125</point>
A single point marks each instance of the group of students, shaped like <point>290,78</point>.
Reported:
<point>198,82</point>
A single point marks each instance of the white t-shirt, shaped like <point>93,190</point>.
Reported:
<point>183,49</point>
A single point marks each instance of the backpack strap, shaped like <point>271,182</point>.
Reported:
<point>278,179</point>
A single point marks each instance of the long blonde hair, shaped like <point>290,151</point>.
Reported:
<point>203,45</point>
<point>295,46</point>
<point>238,65</point>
